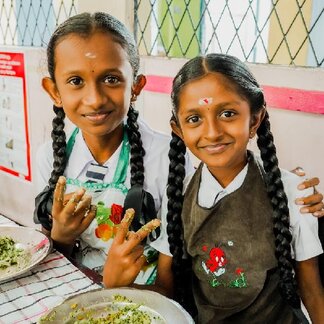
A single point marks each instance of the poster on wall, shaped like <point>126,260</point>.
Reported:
<point>14,138</point>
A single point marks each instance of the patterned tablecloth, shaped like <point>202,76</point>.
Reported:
<point>26,298</point>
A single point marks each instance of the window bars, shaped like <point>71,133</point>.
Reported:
<point>262,31</point>
<point>31,22</point>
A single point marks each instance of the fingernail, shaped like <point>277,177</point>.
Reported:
<point>61,180</point>
<point>299,202</point>
<point>304,210</point>
<point>301,187</point>
<point>317,214</point>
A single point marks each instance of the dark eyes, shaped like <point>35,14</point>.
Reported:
<point>109,79</point>
<point>193,119</point>
<point>75,81</point>
<point>227,114</point>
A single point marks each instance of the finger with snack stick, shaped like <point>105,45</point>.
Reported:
<point>125,258</point>
<point>71,213</point>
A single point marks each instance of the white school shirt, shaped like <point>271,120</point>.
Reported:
<point>304,227</point>
<point>156,164</point>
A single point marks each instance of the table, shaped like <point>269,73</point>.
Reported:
<point>26,298</point>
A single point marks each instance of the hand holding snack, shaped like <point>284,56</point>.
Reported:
<point>125,258</point>
<point>72,213</point>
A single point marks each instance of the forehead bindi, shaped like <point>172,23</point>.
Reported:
<point>205,101</point>
<point>211,89</point>
<point>90,55</point>
<point>93,53</point>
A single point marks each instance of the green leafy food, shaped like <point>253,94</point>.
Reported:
<point>9,254</point>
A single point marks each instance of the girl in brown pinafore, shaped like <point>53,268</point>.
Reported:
<point>238,224</point>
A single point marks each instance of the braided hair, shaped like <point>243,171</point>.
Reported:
<point>84,25</point>
<point>246,85</point>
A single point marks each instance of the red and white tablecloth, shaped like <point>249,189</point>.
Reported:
<point>26,298</point>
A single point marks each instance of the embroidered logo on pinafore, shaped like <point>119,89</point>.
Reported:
<point>108,220</point>
<point>215,268</point>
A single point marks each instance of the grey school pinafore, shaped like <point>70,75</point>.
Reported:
<point>233,253</point>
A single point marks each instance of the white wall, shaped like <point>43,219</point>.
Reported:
<point>17,195</point>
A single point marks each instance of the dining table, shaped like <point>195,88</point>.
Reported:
<point>27,297</point>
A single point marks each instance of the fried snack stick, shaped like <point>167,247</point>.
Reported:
<point>125,258</point>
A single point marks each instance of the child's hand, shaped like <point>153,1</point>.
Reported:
<point>125,258</point>
<point>71,213</point>
<point>313,203</point>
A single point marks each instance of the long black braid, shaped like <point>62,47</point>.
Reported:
<point>44,200</point>
<point>59,147</point>
<point>239,76</point>
<point>175,199</point>
<point>279,202</point>
<point>84,25</point>
<point>136,148</point>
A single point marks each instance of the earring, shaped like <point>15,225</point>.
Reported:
<point>58,104</point>
<point>134,97</point>
<point>251,134</point>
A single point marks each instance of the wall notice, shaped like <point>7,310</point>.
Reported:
<point>14,138</point>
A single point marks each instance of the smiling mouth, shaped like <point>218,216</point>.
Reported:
<point>217,148</point>
<point>97,117</point>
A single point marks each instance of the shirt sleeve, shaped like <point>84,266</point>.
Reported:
<point>304,227</point>
<point>44,165</point>
<point>161,243</point>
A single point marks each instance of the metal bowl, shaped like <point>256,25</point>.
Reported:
<point>97,303</point>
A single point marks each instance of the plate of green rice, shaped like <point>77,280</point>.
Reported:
<point>21,249</point>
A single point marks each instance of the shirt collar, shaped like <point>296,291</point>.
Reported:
<point>210,188</point>
<point>81,157</point>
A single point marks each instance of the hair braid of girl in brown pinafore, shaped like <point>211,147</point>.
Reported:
<point>245,83</point>
<point>175,199</point>
<point>181,268</point>
<point>279,202</point>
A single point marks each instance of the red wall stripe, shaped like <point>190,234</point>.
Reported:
<point>161,84</point>
<point>283,98</point>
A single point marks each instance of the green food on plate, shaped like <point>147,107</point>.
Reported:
<point>9,254</point>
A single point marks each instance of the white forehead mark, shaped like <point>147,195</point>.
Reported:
<point>90,55</point>
<point>205,101</point>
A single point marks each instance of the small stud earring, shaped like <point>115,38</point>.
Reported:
<point>251,134</point>
<point>134,97</point>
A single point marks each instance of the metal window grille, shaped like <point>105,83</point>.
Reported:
<point>31,22</point>
<point>263,31</point>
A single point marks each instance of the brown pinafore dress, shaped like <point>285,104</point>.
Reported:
<point>233,254</point>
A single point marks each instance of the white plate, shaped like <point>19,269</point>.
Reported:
<point>35,244</point>
<point>95,302</point>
